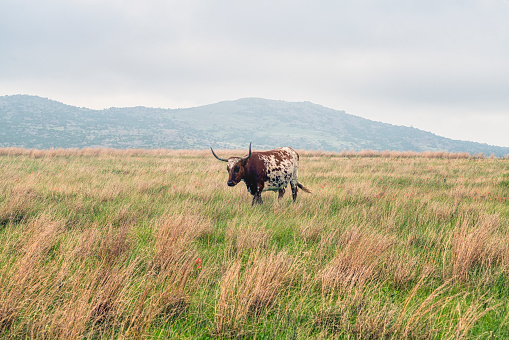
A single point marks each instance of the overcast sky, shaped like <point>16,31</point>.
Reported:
<point>441,66</point>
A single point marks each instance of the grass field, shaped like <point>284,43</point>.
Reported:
<point>98,244</point>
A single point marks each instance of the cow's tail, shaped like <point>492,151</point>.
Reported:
<point>303,188</point>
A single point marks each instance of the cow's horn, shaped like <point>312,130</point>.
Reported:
<point>247,157</point>
<point>221,159</point>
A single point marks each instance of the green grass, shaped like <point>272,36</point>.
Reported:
<point>104,244</point>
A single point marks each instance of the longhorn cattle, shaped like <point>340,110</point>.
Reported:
<point>261,171</point>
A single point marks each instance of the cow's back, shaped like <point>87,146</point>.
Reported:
<point>280,166</point>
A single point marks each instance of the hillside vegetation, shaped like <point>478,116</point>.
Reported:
<point>34,122</point>
<point>133,244</point>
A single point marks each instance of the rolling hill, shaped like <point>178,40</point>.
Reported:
<point>35,122</point>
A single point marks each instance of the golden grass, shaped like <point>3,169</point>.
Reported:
<point>357,256</point>
<point>250,291</point>
<point>95,152</point>
<point>101,243</point>
<point>470,246</point>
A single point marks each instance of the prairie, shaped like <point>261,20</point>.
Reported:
<point>100,243</point>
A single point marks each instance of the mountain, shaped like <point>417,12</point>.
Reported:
<point>35,122</point>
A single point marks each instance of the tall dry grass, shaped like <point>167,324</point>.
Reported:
<point>357,256</point>
<point>93,286</point>
<point>99,151</point>
<point>18,203</point>
<point>137,244</point>
<point>470,246</point>
<point>250,290</point>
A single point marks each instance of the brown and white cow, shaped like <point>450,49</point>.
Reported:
<point>261,171</point>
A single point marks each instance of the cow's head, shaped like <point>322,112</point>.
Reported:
<point>235,167</point>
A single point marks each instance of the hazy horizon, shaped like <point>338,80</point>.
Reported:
<point>233,100</point>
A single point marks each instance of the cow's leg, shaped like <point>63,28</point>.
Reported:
<point>294,190</point>
<point>281,193</point>
<point>257,198</point>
